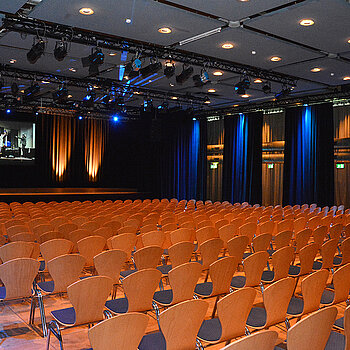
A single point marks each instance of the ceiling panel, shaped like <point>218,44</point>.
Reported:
<point>109,17</point>
<point>244,43</point>
<point>330,31</point>
<point>11,6</point>
<point>232,9</point>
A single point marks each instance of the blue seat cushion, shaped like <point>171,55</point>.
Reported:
<point>257,317</point>
<point>327,297</point>
<point>127,273</point>
<point>339,323</point>
<point>164,269</point>
<point>335,341</point>
<point>153,341</point>
<point>238,282</point>
<point>2,293</point>
<point>267,276</point>
<point>296,306</point>
<point>204,289</point>
<point>245,255</point>
<point>42,266</point>
<point>294,270</point>
<point>210,330</point>
<point>337,260</point>
<point>64,316</point>
<point>118,306</point>
<point>317,265</point>
<point>47,286</point>
<point>163,296</point>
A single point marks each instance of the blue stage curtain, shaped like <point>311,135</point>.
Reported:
<point>242,168</point>
<point>309,155</point>
<point>202,160</point>
<point>180,150</point>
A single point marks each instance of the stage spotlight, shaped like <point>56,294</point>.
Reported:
<point>207,100</point>
<point>8,111</point>
<point>80,117</point>
<point>148,105</point>
<point>283,93</point>
<point>36,51</point>
<point>242,85</point>
<point>164,105</point>
<point>115,118</point>
<point>186,73</point>
<point>31,92</point>
<point>89,99</point>
<point>93,61</point>
<point>266,88</point>
<point>152,68</point>
<point>60,95</point>
<point>169,69</point>
<point>201,79</point>
<point>132,68</point>
<point>61,50</point>
<point>14,89</point>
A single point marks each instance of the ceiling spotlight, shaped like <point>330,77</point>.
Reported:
<point>275,59</point>
<point>186,73</point>
<point>12,61</point>
<point>283,93</point>
<point>61,50</point>
<point>164,30</point>
<point>174,98</point>
<point>36,51</point>
<point>89,99</point>
<point>266,88</point>
<point>227,46</point>
<point>346,78</point>
<point>128,20</point>
<point>31,92</point>
<point>212,91</point>
<point>93,61</point>
<point>253,52</point>
<point>307,22</point>
<point>207,100</point>
<point>245,96</point>
<point>258,81</point>
<point>242,85</point>
<point>315,70</point>
<point>132,68</point>
<point>60,95</point>
<point>201,79</point>
<point>14,89</point>
<point>218,73</point>
<point>152,68</point>
<point>87,11</point>
<point>169,69</point>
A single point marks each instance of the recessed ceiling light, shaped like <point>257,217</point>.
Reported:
<point>164,30</point>
<point>211,90</point>
<point>112,54</point>
<point>150,81</point>
<point>258,81</point>
<point>72,70</point>
<point>22,91</point>
<point>171,84</point>
<point>45,82</point>
<point>87,11</point>
<point>349,41</point>
<point>306,22</point>
<point>332,74</point>
<point>69,96</point>
<point>128,20</point>
<point>235,105</point>
<point>174,98</point>
<point>12,60</point>
<point>315,70</point>
<point>253,52</point>
<point>207,102</point>
<point>227,46</point>
<point>245,96</point>
<point>218,73</point>
<point>346,78</point>
<point>275,59</point>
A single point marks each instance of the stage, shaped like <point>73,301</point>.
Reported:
<point>60,194</point>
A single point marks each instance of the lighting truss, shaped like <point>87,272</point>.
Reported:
<point>114,43</point>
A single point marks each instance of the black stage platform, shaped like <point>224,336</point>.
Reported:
<point>68,194</point>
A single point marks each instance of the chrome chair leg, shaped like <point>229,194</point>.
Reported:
<point>54,328</point>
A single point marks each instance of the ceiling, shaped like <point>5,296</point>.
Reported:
<point>268,28</point>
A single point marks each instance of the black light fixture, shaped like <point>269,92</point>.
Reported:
<point>186,73</point>
<point>169,69</point>
<point>61,50</point>
<point>242,85</point>
<point>93,61</point>
<point>60,95</point>
<point>201,79</point>
<point>89,99</point>
<point>152,68</point>
<point>36,51</point>
<point>283,93</point>
<point>132,68</point>
<point>31,92</point>
<point>266,88</point>
<point>14,89</point>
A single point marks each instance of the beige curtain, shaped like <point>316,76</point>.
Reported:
<point>341,119</point>
<point>273,127</point>
<point>95,139</point>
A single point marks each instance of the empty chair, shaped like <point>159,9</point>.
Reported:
<point>265,227</point>
<point>248,230</point>
<point>56,247</point>
<point>344,257</point>
<point>105,232</point>
<point>13,230</point>
<point>179,327</point>
<point>88,297</point>
<point>276,298</point>
<point>153,238</point>
<point>90,226</point>
<point>182,235</point>
<point>285,225</point>
<point>314,222</point>
<point>307,256</point>
<point>302,335</point>
<point>328,251</point>
<point>312,287</point>
<point>341,287</point>
<point>121,332</point>
<point>237,246</point>
<point>281,261</point>
<point>139,289</point>
<point>233,311</point>
<point>205,233</point>
<point>253,267</point>
<point>262,242</point>
<point>283,239</point>
<point>16,250</point>
<point>226,233</point>
<point>302,239</point>
<point>319,234</point>
<point>67,228</point>
<point>183,280</point>
<point>90,246</point>
<point>337,341</point>
<point>23,237</point>
<point>79,234</point>
<point>125,242</point>
<point>335,231</point>
<point>299,224</point>
<point>264,340</point>
<point>210,251</point>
